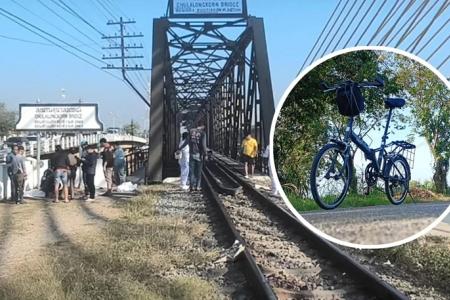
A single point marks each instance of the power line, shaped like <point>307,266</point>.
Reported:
<point>371,21</point>
<point>84,20</point>
<point>359,24</point>
<point>117,7</point>
<point>350,23</point>
<point>329,31</point>
<point>65,21</point>
<point>320,36</point>
<point>388,33</point>
<point>443,63</point>
<point>23,40</point>
<point>105,8</point>
<point>339,28</point>
<point>386,20</point>
<point>124,68</point>
<point>54,26</point>
<point>51,35</point>
<point>433,36</point>
<point>73,12</point>
<point>416,42</point>
<point>439,47</point>
<point>14,18</point>
<point>3,11</point>
<point>412,23</point>
<point>142,81</point>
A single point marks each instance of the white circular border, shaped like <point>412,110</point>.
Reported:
<point>272,161</point>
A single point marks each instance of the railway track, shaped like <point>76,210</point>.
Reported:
<point>283,259</point>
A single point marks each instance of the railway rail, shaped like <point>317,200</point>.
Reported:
<point>283,259</point>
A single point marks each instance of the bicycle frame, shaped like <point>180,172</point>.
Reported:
<point>369,153</point>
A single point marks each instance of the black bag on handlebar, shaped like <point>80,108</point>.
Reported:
<point>350,100</point>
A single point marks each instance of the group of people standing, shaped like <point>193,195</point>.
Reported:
<point>191,154</point>
<point>65,167</point>
<point>63,170</point>
<point>192,151</point>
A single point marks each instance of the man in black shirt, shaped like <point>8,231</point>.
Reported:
<point>108,167</point>
<point>90,165</point>
<point>60,163</point>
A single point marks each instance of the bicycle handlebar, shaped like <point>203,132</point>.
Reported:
<point>363,84</point>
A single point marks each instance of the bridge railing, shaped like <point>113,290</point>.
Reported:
<point>135,160</point>
<point>48,145</point>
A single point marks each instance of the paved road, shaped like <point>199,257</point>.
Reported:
<point>447,219</point>
<point>376,224</point>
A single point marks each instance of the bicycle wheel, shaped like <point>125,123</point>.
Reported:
<point>397,179</point>
<point>330,177</point>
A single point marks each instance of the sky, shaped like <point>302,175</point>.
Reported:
<point>32,71</point>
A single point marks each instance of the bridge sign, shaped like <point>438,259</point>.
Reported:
<point>59,117</point>
<point>207,8</point>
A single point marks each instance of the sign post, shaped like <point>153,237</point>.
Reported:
<point>38,159</point>
<point>59,117</point>
<point>40,118</point>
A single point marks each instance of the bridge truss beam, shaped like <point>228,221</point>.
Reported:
<point>217,71</point>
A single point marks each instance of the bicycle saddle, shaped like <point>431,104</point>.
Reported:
<point>394,102</point>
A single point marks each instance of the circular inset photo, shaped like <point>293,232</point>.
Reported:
<point>361,147</point>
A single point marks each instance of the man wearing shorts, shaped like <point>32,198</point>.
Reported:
<point>249,153</point>
<point>60,164</point>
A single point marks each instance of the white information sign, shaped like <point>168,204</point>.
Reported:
<point>207,7</point>
<point>54,117</point>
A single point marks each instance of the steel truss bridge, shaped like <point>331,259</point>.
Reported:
<point>216,71</point>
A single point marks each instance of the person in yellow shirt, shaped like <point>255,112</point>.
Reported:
<point>249,152</point>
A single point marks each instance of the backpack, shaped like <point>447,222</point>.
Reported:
<point>350,100</point>
<point>195,142</point>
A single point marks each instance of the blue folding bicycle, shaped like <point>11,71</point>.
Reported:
<point>332,168</point>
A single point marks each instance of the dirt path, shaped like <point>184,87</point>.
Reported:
<point>25,235</point>
<point>26,230</point>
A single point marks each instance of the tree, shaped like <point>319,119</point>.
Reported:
<point>309,117</point>
<point>132,128</point>
<point>431,110</point>
<point>7,120</point>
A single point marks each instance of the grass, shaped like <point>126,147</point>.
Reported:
<point>139,256</point>
<point>426,259</point>
<point>352,200</point>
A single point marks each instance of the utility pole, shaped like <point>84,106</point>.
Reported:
<point>123,57</point>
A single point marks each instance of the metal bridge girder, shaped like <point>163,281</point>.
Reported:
<point>215,70</point>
